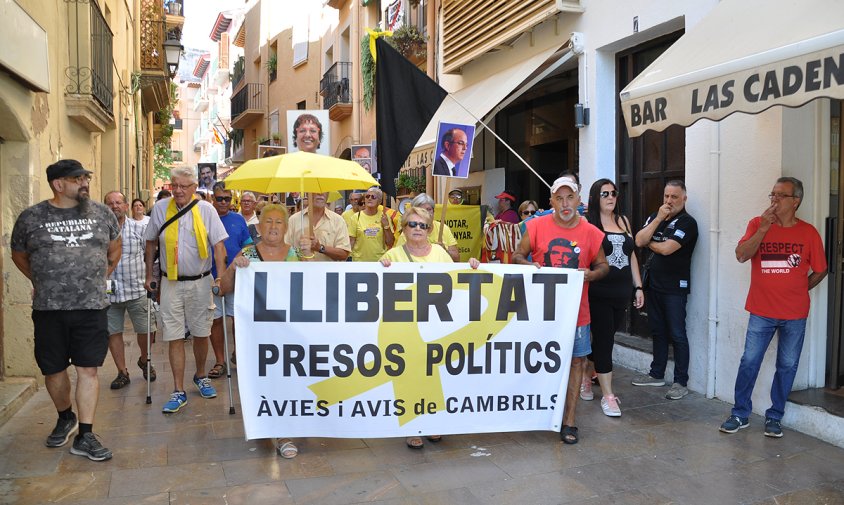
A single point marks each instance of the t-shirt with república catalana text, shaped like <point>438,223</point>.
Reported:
<point>68,253</point>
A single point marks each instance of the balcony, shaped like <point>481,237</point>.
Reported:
<point>154,79</point>
<point>200,102</point>
<point>174,14</point>
<point>247,105</point>
<point>335,91</point>
<point>89,86</point>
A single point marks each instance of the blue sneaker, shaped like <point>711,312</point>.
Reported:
<point>177,400</point>
<point>204,386</point>
<point>734,423</point>
<point>773,427</point>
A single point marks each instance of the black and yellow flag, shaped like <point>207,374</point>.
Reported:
<point>405,99</point>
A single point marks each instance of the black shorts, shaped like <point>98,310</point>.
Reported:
<point>65,337</point>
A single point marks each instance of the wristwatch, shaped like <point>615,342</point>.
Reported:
<point>322,248</point>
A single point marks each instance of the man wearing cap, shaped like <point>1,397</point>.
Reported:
<point>454,143</point>
<point>192,230</point>
<point>455,197</point>
<point>565,239</point>
<point>506,213</point>
<point>671,234</point>
<point>67,247</point>
<point>127,293</point>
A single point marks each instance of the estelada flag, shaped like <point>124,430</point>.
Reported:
<point>405,99</point>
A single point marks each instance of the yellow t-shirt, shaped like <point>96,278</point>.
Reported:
<point>368,235</point>
<point>448,237</point>
<point>437,255</point>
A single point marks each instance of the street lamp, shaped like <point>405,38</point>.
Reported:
<point>172,53</point>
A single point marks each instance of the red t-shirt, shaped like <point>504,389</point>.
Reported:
<point>779,276</point>
<point>552,245</point>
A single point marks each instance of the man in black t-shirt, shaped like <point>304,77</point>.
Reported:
<point>68,246</point>
<point>671,234</point>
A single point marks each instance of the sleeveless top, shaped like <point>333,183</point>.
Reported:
<point>619,282</point>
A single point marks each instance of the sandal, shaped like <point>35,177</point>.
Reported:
<point>434,438</point>
<point>286,448</point>
<point>415,442</point>
<point>569,434</point>
<point>217,371</point>
<point>143,366</point>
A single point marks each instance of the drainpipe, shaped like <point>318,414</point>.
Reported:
<point>354,73</point>
<point>714,235</point>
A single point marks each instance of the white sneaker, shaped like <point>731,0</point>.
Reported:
<point>609,404</point>
<point>586,390</point>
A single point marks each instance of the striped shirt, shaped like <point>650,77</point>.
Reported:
<point>129,275</point>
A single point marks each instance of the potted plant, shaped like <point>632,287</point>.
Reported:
<point>272,66</point>
<point>410,43</point>
<point>277,138</point>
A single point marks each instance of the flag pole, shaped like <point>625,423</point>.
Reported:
<point>476,118</point>
<point>442,213</point>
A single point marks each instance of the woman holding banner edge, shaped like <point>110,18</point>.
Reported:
<point>272,225</point>
<point>416,226</point>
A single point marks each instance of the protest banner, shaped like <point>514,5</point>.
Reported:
<point>359,350</point>
<point>466,226</point>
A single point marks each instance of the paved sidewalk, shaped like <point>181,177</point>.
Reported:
<point>658,452</point>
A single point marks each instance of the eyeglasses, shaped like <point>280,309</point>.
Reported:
<point>459,143</point>
<point>528,212</point>
<point>612,193</point>
<point>371,197</point>
<point>183,187</point>
<point>78,179</point>
<point>779,196</point>
<point>414,224</point>
<point>221,199</point>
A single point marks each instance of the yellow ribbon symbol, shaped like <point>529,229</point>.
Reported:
<point>373,34</point>
<point>414,385</point>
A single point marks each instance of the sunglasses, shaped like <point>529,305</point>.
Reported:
<point>221,199</point>
<point>612,193</point>
<point>371,197</point>
<point>414,224</point>
<point>528,212</point>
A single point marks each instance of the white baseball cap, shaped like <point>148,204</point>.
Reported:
<point>564,182</point>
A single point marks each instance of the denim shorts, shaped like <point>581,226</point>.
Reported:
<point>582,341</point>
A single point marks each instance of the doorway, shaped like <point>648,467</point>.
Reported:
<point>834,252</point>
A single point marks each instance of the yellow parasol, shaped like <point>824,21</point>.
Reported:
<point>300,171</point>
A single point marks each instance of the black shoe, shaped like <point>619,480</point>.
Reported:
<point>87,445</point>
<point>773,428</point>
<point>143,366</point>
<point>121,381</point>
<point>62,432</point>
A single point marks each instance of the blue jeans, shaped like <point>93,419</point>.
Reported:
<point>667,321</point>
<point>760,331</point>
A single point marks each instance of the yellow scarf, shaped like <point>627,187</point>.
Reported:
<point>171,238</point>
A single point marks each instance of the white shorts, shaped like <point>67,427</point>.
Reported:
<point>186,304</point>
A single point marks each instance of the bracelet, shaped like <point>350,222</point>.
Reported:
<point>302,256</point>
<point>638,288</point>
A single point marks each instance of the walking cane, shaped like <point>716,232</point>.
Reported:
<point>150,295</point>
<point>216,291</point>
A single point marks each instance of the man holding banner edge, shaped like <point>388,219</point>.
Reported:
<point>564,239</point>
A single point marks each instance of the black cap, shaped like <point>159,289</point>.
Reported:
<point>65,168</point>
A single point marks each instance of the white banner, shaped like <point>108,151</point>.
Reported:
<point>358,350</point>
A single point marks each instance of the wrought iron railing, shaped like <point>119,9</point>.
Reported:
<point>92,72</point>
<point>335,84</point>
<point>250,97</point>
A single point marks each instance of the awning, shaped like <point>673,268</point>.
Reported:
<point>481,97</point>
<point>744,56</point>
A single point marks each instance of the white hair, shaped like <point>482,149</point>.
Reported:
<point>421,200</point>
<point>183,171</point>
